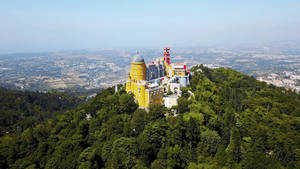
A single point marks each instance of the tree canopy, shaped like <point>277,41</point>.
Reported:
<point>231,121</point>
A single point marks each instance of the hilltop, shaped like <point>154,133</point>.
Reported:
<point>231,121</point>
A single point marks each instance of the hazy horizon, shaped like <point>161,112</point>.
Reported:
<point>35,26</point>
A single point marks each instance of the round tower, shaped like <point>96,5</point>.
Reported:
<point>138,68</point>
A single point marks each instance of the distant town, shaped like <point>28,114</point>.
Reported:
<point>276,64</point>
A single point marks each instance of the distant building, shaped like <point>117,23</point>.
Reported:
<point>150,82</point>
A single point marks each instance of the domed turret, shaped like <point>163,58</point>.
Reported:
<point>138,58</point>
<point>138,68</point>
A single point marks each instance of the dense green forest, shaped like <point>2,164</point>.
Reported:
<point>20,110</point>
<point>230,121</point>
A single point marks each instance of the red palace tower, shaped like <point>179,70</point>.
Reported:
<point>167,55</point>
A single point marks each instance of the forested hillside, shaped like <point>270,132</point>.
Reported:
<point>231,121</point>
<point>20,110</point>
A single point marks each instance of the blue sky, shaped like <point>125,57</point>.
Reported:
<point>47,25</point>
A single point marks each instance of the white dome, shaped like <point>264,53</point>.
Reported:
<point>138,58</point>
